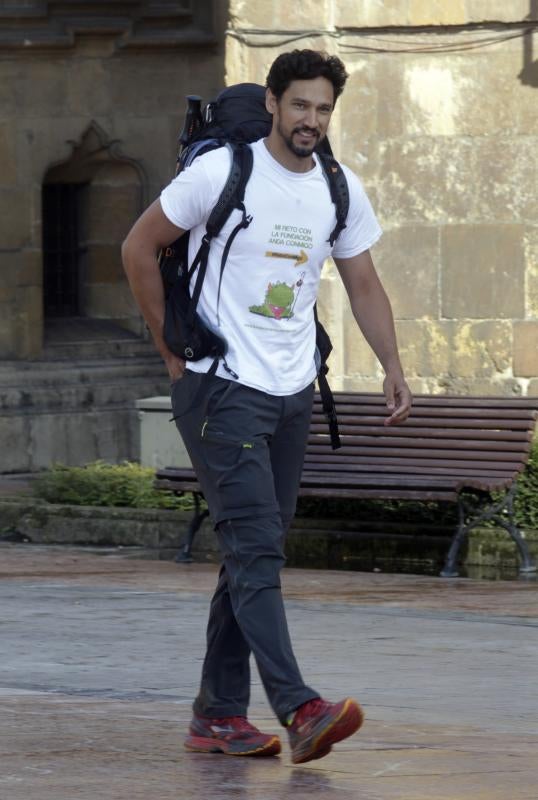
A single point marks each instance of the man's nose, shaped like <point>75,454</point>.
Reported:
<point>311,118</point>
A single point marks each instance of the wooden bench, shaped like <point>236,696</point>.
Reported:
<point>450,447</point>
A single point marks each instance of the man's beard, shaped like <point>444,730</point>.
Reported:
<point>301,152</point>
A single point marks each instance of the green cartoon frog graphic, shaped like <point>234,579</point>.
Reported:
<point>279,301</point>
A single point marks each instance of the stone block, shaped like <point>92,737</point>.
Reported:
<point>444,97</point>
<point>499,10</point>
<point>10,101</point>
<point>109,301</point>
<point>88,86</point>
<point>28,322</point>
<point>444,349</point>
<point>407,260</point>
<point>446,179</point>
<point>531,271</point>
<point>152,87</point>
<point>256,61</point>
<point>21,268</point>
<point>271,14</point>
<point>59,439</point>
<point>76,438</point>
<point>495,386</point>
<point>111,212</point>
<point>16,216</point>
<point>16,444</point>
<point>21,328</point>
<point>43,142</point>
<point>504,178</point>
<point>103,264</point>
<point>42,86</point>
<point>356,383</point>
<point>438,12</point>
<point>332,301</point>
<point>7,332</point>
<point>424,347</point>
<point>373,103</point>
<point>526,349</point>
<point>422,179</point>
<point>359,359</point>
<point>482,271</point>
<point>365,13</point>
<point>8,149</point>
<point>532,391</point>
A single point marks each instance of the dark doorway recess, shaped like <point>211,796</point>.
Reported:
<point>62,249</point>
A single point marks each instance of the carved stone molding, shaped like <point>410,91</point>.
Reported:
<point>133,24</point>
<point>92,151</point>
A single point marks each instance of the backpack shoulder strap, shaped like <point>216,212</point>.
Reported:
<point>233,193</point>
<point>334,174</point>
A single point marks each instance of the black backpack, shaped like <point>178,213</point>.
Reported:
<point>234,119</point>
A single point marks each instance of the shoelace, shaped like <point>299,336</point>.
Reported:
<point>310,709</point>
<point>238,724</point>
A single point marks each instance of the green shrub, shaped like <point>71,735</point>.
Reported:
<point>99,484</point>
<point>526,504</point>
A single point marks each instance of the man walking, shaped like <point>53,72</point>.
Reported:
<point>246,426</point>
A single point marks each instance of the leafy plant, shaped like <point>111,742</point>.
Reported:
<point>526,502</point>
<point>100,484</point>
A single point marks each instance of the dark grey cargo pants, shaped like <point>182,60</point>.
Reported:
<point>247,448</point>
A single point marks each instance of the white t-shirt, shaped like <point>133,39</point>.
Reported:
<point>271,278</point>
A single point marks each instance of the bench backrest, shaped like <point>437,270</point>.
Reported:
<point>483,442</point>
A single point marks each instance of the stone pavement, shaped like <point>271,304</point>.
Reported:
<point>100,657</point>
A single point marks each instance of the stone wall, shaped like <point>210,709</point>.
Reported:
<point>440,120</point>
<point>92,94</point>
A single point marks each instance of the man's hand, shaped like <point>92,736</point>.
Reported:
<point>399,399</point>
<point>175,366</point>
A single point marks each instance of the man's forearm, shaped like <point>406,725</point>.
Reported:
<point>142,271</point>
<point>373,313</point>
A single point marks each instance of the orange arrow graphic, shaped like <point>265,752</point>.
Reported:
<point>302,258</point>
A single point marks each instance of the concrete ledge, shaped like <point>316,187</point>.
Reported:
<point>313,543</point>
<point>152,529</point>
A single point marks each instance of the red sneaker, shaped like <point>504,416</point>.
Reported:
<point>234,736</point>
<point>317,725</point>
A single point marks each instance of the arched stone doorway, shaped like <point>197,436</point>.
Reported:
<point>89,203</point>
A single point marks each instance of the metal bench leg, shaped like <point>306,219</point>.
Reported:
<point>496,512</point>
<point>184,555</point>
<point>527,566</point>
<point>450,569</point>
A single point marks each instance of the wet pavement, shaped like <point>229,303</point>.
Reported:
<point>100,658</point>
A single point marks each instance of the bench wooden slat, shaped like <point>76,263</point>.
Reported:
<point>431,443</point>
<point>434,457</point>
<point>403,469</point>
<point>514,424</point>
<point>444,400</point>
<point>380,494</point>
<point>473,434</point>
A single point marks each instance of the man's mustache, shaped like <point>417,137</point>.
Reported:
<point>302,129</point>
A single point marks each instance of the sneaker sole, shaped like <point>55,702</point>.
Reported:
<point>347,723</point>
<point>198,744</point>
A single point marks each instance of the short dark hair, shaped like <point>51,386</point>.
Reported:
<point>299,65</point>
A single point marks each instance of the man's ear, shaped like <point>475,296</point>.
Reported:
<point>270,101</point>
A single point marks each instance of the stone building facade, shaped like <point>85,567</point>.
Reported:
<point>439,118</point>
<point>91,102</point>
